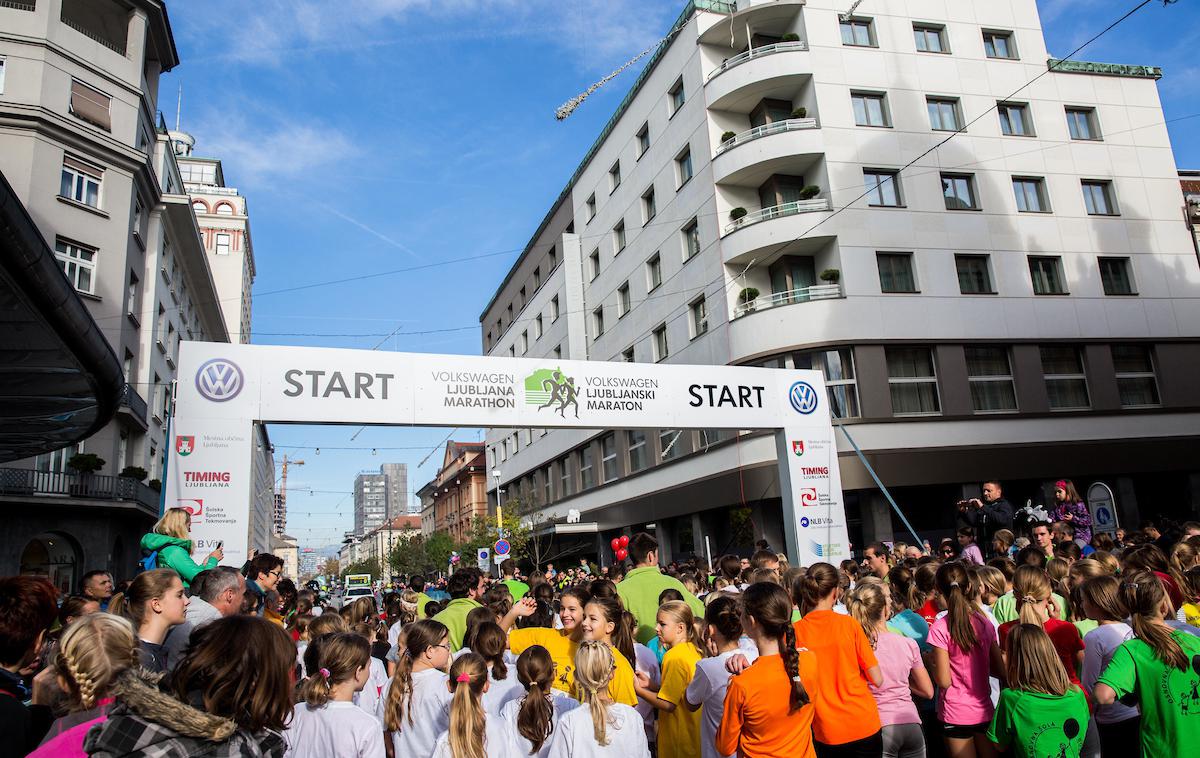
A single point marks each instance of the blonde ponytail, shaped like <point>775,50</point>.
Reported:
<point>1031,586</point>
<point>594,666</point>
<point>468,724</point>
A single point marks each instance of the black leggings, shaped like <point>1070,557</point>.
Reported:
<point>1122,739</point>
<point>867,747</point>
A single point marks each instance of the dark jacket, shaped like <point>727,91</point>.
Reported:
<point>148,723</point>
<point>21,727</point>
<point>987,520</point>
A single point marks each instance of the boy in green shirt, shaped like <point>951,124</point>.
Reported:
<point>517,588</point>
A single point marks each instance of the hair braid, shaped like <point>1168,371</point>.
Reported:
<point>791,662</point>
<point>82,679</point>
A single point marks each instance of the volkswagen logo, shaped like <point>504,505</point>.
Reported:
<point>803,397</point>
<point>219,380</point>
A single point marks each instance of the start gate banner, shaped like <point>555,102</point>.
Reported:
<point>224,388</point>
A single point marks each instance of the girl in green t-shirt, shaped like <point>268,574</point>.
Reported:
<point>1160,668</point>
<point>1041,714</point>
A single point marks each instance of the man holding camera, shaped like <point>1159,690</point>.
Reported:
<point>986,515</point>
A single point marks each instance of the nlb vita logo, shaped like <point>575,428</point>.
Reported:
<point>219,380</point>
<point>551,388</point>
<point>803,398</point>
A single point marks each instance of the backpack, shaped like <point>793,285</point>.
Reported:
<point>150,562</point>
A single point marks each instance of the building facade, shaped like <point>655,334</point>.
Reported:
<point>981,250</point>
<point>458,493</point>
<point>378,544</point>
<point>397,488</point>
<point>379,496</point>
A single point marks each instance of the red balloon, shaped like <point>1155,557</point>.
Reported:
<point>622,554</point>
<point>616,543</point>
<point>624,540</point>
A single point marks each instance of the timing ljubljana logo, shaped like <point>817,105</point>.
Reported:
<point>803,398</point>
<point>219,380</point>
<point>185,445</point>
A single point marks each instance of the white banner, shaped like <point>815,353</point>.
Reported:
<point>226,387</point>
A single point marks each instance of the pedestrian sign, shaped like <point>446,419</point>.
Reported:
<point>502,547</point>
<point>485,557</point>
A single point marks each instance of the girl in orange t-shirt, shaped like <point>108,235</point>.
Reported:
<point>768,712</point>
<point>847,718</point>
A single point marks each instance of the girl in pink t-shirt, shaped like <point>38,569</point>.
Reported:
<point>965,651</point>
<point>900,663</point>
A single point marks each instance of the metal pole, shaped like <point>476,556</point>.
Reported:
<point>708,552</point>
<point>878,483</point>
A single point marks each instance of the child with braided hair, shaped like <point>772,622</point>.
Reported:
<point>93,651</point>
<point>600,728</point>
<point>327,722</point>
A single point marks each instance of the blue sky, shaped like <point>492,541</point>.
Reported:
<point>377,135</point>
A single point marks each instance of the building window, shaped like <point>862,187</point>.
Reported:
<point>537,279</point>
<point>521,298</point>
<point>670,443</point>
<point>659,340</point>
<point>618,234</point>
<point>691,240</point>
<point>989,373</point>
<point>838,368</point>
<point>1066,383</point>
<point>1116,276</point>
<point>683,165</point>
<point>1045,271</point>
<point>590,204</point>
<point>858,32</point>
<point>137,218</point>
<point>912,381</point>
<point>623,302</point>
<point>537,326</point>
<point>1030,192</point>
<point>558,351</point>
<point>554,309</point>
<point>198,206</point>
<point>883,187</point>
<point>81,181</point>
<point>627,355</point>
<point>677,95</point>
<point>608,457</point>
<point>2,67</point>
<point>653,272</point>
<point>944,113</point>
<point>958,190</point>
<point>999,45</point>
<point>1081,123</point>
<point>896,272</point>
<point>1136,384</point>
<point>930,38</point>
<point>224,209</point>
<point>78,263</point>
<point>91,105</point>
<point>566,486</point>
<point>552,260</point>
<point>587,475</point>
<point>699,316</point>
<point>593,265</point>
<point>1098,198</point>
<point>524,342</point>
<point>649,209</point>
<point>512,351</point>
<point>614,177</point>
<point>974,277</point>
<point>222,244</point>
<point>598,322</point>
<point>643,140</point>
<point>547,488</point>
<point>1014,119</point>
<point>132,295</point>
<point>636,441</point>
<point>870,108</point>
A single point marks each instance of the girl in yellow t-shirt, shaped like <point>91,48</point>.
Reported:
<point>560,643</point>
<point>602,622</point>
<point>678,728</point>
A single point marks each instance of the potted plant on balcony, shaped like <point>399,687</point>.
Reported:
<point>747,299</point>
<point>136,473</point>
<point>86,465</point>
<point>790,37</point>
<point>737,214</point>
<point>809,192</point>
<point>155,484</point>
<point>831,275</point>
<point>727,136</point>
<point>800,112</point>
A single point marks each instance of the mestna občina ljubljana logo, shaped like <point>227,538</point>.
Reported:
<point>219,380</point>
<point>803,397</point>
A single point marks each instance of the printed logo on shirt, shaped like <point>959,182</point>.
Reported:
<point>1054,739</point>
<point>1182,688</point>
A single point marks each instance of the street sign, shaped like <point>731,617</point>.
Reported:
<point>484,557</point>
<point>1103,508</point>
<point>502,547</point>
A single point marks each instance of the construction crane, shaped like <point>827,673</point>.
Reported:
<point>281,506</point>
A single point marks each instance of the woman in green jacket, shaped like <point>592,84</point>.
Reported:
<point>171,538</point>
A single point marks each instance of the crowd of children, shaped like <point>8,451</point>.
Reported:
<point>906,656</point>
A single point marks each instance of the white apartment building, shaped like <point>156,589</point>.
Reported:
<point>83,145</point>
<point>1021,303</point>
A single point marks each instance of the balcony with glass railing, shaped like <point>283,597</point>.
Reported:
<point>790,297</point>
<point>757,52</point>
<point>766,130</point>
<point>779,211</point>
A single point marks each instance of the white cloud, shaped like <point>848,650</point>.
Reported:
<point>267,149</point>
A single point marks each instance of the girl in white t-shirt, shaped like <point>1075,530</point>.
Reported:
<point>472,732</point>
<point>372,692</point>
<point>1118,724</point>
<point>723,635</point>
<point>414,706</point>
<point>326,722</point>
<point>602,728</point>
<point>491,643</point>
<point>533,717</point>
